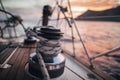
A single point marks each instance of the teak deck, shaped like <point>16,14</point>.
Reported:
<point>20,58</point>
<point>18,62</point>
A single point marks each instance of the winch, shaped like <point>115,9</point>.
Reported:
<point>49,48</point>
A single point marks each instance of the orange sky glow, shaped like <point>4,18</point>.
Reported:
<point>96,5</point>
<point>78,6</point>
<point>81,6</point>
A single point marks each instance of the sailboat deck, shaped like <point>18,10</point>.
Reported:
<point>20,58</point>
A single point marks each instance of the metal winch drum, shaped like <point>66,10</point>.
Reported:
<point>50,49</point>
<point>55,67</point>
<point>51,33</point>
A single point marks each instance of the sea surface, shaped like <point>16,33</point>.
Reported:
<point>97,36</point>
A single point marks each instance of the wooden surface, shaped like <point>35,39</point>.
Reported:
<point>18,62</point>
<point>21,57</point>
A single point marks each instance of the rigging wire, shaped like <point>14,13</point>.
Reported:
<point>85,49</point>
<point>3,8</point>
<point>13,17</point>
<point>38,23</point>
<point>73,41</point>
<point>58,16</point>
<point>54,8</point>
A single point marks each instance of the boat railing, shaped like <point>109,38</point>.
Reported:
<point>105,53</point>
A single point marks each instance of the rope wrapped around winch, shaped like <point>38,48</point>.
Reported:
<point>47,54</point>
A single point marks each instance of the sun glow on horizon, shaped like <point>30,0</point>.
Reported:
<point>100,8</point>
<point>79,9</point>
<point>96,5</point>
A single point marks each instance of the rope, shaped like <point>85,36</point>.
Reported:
<point>42,66</point>
<point>41,47</point>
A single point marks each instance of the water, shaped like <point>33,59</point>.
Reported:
<point>97,36</point>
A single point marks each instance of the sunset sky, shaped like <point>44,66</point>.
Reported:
<point>81,6</point>
<point>97,5</point>
<point>78,6</point>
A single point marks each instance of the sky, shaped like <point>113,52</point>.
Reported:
<point>96,5</point>
<point>78,6</point>
<point>81,6</point>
